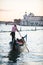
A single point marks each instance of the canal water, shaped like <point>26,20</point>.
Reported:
<point>34,43</point>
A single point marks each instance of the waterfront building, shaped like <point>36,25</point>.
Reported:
<point>31,20</point>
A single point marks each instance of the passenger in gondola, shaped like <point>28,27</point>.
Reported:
<point>14,29</point>
<point>20,41</point>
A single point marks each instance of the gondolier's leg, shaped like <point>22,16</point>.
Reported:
<point>13,35</point>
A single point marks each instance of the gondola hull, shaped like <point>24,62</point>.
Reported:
<point>17,45</point>
<point>19,48</point>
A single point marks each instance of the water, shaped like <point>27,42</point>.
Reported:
<point>34,43</point>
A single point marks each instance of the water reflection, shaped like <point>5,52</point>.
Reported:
<point>13,55</point>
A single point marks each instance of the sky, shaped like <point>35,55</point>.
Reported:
<point>15,9</point>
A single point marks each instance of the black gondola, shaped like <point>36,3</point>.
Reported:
<point>16,44</point>
<point>15,49</point>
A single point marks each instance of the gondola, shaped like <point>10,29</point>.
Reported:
<point>17,44</point>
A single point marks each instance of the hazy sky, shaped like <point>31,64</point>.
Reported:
<point>11,9</point>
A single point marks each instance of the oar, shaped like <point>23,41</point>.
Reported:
<point>25,42</point>
<point>20,34</point>
<point>26,47</point>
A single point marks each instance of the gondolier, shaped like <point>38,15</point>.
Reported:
<point>14,29</point>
